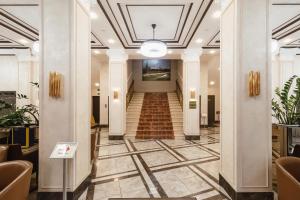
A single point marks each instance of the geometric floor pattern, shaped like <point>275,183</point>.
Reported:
<point>134,168</point>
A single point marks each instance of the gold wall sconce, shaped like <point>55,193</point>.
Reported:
<point>254,83</point>
<point>55,84</point>
<point>116,94</point>
<point>192,94</point>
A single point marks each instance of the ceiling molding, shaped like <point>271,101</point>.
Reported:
<point>16,4</point>
<point>214,42</point>
<point>119,15</point>
<point>96,43</point>
<point>18,26</point>
<point>287,28</point>
<point>286,4</point>
<point>293,44</point>
<point>7,43</point>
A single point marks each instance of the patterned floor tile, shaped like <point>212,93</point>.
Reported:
<point>158,158</point>
<point>193,153</point>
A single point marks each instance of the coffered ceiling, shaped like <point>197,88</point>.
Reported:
<point>127,23</point>
<point>177,20</point>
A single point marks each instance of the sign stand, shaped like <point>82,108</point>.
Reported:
<point>64,151</point>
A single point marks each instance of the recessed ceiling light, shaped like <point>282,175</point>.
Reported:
<point>211,83</point>
<point>93,15</point>
<point>212,51</point>
<point>287,40</point>
<point>111,41</point>
<point>23,41</point>
<point>199,41</point>
<point>216,14</point>
<point>97,52</point>
<point>97,84</point>
<point>170,52</point>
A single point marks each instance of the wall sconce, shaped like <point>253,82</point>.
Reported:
<point>116,94</point>
<point>254,83</point>
<point>192,94</point>
<point>55,84</point>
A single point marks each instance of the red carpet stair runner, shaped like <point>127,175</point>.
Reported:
<point>155,120</point>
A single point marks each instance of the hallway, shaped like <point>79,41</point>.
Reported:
<point>157,168</point>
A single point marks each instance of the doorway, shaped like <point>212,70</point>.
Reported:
<point>211,110</point>
<point>96,108</point>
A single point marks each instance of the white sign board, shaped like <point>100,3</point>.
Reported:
<point>64,150</point>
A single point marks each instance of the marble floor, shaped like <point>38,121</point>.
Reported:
<point>132,168</point>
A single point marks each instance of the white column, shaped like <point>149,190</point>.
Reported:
<point>246,145</point>
<point>65,48</point>
<point>204,91</point>
<point>191,84</point>
<point>117,73</point>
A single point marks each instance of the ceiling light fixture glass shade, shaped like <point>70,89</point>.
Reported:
<point>154,48</point>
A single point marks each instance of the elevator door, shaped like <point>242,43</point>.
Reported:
<point>211,110</point>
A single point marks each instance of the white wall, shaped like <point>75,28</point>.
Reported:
<point>16,75</point>
<point>214,75</point>
<point>104,92</point>
<point>96,63</point>
<point>180,74</point>
<point>204,88</point>
<point>153,86</point>
<point>130,73</point>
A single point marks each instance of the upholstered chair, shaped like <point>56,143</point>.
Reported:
<point>3,153</point>
<point>15,180</point>
<point>288,176</point>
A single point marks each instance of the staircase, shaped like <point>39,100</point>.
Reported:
<point>156,126</point>
<point>133,114</point>
<point>176,114</point>
<point>155,118</point>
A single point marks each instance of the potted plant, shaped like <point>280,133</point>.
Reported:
<point>22,121</point>
<point>286,111</point>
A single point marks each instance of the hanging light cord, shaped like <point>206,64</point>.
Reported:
<point>153,27</point>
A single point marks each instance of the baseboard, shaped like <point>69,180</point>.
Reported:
<point>192,137</point>
<point>70,195</point>
<point>243,195</point>
<point>116,137</point>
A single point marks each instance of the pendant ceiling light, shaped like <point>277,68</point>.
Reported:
<point>154,48</point>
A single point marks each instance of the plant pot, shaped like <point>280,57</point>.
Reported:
<point>24,136</point>
<point>289,136</point>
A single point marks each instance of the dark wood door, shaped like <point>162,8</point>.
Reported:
<point>211,110</point>
<point>96,108</point>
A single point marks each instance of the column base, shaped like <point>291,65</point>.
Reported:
<point>192,137</point>
<point>244,195</point>
<point>116,137</point>
<point>70,195</point>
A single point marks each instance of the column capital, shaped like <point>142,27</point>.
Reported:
<point>191,54</point>
<point>117,55</point>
